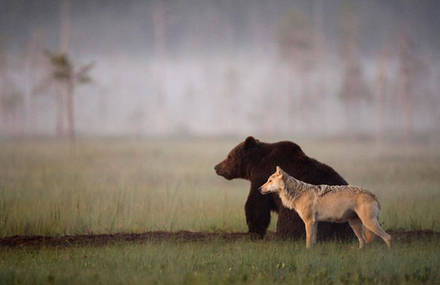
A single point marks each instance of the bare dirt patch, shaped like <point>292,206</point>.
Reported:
<point>157,236</point>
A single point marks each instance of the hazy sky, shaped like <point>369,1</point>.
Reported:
<point>127,26</point>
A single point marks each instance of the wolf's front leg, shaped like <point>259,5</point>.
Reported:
<point>356,225</point>
<point>311,227</point>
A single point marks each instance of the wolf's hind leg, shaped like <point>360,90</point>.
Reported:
<point>373,225</point>
<point>367,235</point>
<point>369,213</point>
<point>356,226</point>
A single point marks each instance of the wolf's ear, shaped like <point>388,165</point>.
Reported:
<point>278,170</point>
<point>250,142</point>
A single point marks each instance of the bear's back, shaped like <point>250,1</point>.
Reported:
<point>290,157</point>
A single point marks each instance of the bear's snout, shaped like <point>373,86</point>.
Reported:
<point>218,169</point>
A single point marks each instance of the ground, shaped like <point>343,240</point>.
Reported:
<point>183,223</point>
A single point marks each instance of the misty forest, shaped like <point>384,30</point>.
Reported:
<point>148,68</point>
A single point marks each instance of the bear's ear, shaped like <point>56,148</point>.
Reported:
<point>250,142</point>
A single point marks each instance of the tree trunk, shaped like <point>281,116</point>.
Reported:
<point>381,93</point>
<point>70,111</point>
<point>159,49</point>
<point>59,129</point>
<point>407,62</point>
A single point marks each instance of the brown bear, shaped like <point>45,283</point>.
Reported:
<point>256,161</point>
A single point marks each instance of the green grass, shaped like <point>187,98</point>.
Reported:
<point>105,186</point>
<point>215,262</point>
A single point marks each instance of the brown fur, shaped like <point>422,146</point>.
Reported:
<point>256,161</point>
<point>315,203</point>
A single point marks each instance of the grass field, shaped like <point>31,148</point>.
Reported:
<point>109,186</point>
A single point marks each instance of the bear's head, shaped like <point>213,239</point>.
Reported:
<point>239,160</point>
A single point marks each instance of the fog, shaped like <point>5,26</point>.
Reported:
<point>215,68</point>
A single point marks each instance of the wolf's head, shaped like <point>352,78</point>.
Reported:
<point>275,183</point>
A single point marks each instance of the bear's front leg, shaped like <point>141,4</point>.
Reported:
<point>257,210</point>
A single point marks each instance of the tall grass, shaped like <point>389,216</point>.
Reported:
<point>105,186</point>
